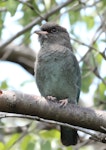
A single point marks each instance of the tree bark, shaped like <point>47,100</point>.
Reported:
<point>21,55</point>
<point>21,103</point>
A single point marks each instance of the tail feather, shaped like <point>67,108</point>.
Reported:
<point>68,136</point>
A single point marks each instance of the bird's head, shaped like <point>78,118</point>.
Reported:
<point>52,33</point>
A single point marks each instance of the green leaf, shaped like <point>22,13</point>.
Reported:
<point>2,146</point>
<point>102,89</point>
<point>2,15</point>
<point>45,145</point>
<point>12,140</point>
<point>99,59</point>
<point>87,75</point>
<point>2,3</point>
<point>26,82</point>
<point>27,143</point>
<point>89,21</point>
<point>100,94</point>
<point>26,39</point>
<point>50,134</point>
<point>74,17</point>
<point>28,13</point>
<point>69,148</point>
<point>86,81</point>
<point>12,6</point>
<point>104,2</point>
<point>30,146</point>
<point>1,23</point>
<point>4,85</point>
<point>49,4</point>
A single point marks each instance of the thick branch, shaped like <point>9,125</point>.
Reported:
<point>22,55</point>
<point>16,102</point>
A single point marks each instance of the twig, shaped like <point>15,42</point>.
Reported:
<point>103,128</point>
<point>94,39</point>
<point>31,7</point>
<point>3,9</point>
<point>103,53</point>
<point>98,137</point>
<point>5,115</point>
<point>84,44</point>
<point>95,71</point>
<point>20,138</point>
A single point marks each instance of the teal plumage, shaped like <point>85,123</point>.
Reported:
<point>57,71</point>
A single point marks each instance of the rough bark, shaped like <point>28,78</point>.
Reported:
<point>20,103</point>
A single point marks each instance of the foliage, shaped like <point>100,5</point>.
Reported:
<point>3,85</point>
<point>85,20</point>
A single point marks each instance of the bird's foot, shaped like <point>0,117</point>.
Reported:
<point>63,102</point>
<point>51,98</point>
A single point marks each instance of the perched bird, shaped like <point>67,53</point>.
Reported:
<point>57,71</point>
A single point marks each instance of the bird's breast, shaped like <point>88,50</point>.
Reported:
<point>53,74</point>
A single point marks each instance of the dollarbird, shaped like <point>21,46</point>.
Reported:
<point>57,71</point>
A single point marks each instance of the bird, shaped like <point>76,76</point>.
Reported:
<point>57,71</point>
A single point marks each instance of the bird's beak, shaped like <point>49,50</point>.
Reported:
<point>40,32</point>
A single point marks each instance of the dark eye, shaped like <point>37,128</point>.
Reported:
<point>53,30</point>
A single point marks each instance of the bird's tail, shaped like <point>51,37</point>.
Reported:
<point>69,136</point>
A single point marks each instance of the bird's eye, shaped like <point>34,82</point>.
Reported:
<point>53,30</point>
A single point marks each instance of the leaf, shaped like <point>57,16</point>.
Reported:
<point>74,17</point>
<point>50,134</point>
<point>2,146</point>
<point>27,143</point>
<point>26,82</point>
<point>12,6</point>
<point>12,140</point>
<point>89,21</point>
<point>28,13</point>
<point>102,90</point>
<point>30,146</point>
<point>86,81</point>
<point>100,94</point>
<point>45,145</point>
<point>104,2</point>
<point>69,148</point>
<point>26,38</point>
<point>48,4</point>
<point>2,15</point>
<point>2,3</point>
<point>4,85</point>
<point>99,59</point>
<point>87,75</point>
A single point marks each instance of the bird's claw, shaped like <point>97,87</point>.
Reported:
<point>51,98</point>
<point>63,102</point>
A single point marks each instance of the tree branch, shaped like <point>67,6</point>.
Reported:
<point>36,21</point>
<point>22,55</point>
<point>100,137</point>
<point>20,103</point>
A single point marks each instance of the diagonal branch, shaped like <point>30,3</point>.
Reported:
<point>36,21</point>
